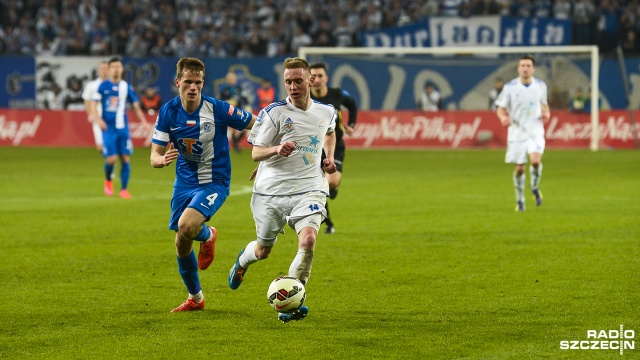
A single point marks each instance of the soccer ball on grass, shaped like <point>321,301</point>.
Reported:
<point>286,294</point>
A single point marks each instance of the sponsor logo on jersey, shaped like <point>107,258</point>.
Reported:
<point>288,126</point>
<point>111,103</point>
<point>231,109</point>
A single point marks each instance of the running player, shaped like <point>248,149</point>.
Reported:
<point>523,108</point>
<point>192,129</point>
<point>290,187</point>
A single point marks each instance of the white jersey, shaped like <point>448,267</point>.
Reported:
<point>90,89</point>
<point>524,105</point>
<point>301,171</point>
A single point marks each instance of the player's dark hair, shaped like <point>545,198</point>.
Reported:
<point>115,59</point>
<point>296,63</point>
<point>529,57</point>
<point>196,66</point>
<point>319,65</point>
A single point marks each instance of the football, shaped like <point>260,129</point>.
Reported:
<point>286,294</point>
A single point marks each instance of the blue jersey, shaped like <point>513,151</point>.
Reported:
<point>201,138</point>
<point>113,98</point>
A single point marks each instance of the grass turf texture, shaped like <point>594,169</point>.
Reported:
<point>429,261</point>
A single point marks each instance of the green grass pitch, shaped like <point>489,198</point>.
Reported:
<point>429,261</point>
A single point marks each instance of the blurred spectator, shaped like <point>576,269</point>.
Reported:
<point>54,98</point>
<point>137,47</point>
<point>584,13</point>
<point>266,94</point>
<point>608,25</point>
<point>300,39</point>
<point>578,101</point>
<point>47,47</point>
<point>257,45</point>
<point>72,98</point>
<point>88,14</point>
<point>430,100</point>
<point>493,94</point>
<point>150,101</point>
<point>324,35</point>
<point>160,49</point>
<point>486,7</point>
<point>430,8</point>
<point>450,7</point>
<point>562,9</point>
<point>179,45</point>
<point>630,43</point>
<point>541,8</point>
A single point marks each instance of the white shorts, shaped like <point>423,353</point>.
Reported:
<point>272,213</point>
<point>97,134</point>
<point>517,151</point>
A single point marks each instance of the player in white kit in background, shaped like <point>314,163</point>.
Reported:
<point>290,187</point>
<point>90,89</point>
<point>523,108</point>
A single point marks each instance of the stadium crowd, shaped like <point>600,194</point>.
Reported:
<point>222,28</point>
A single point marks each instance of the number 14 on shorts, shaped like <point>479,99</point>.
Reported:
<point>314,207</point>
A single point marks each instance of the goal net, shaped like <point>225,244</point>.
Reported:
<point>393,78</point>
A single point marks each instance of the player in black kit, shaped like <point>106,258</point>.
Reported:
<point>338,98</point>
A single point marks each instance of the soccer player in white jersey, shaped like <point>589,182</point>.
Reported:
<point>87,95</point>
<point>290,188</point>
<point>192,129</point>
<point>523,108</point>
<point>113,94</point>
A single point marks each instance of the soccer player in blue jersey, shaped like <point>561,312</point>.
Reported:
<point>290,187</point>
<point>192,129</point>
<point>113,95</point>
<point>523,109</point>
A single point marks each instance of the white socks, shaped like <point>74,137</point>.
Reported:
<point>536,174</point>
<point>301,266</point>
<point>248,257</point>
<point>518,184</point>
<point>197,297</point>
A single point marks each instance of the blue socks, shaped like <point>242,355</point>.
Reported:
<point>108,170</point>
<point>188,268</point>
<point>205,233</point>
<point>125,170</point>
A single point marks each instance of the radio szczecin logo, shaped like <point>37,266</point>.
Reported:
<point>603,340</point>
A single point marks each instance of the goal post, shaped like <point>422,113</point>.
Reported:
<point>490,54</point>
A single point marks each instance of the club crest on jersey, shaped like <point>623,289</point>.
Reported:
<point>207,127</point>
<point>288,126</point>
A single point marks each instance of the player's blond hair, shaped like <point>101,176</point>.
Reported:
<point>296,63</point>
<point>196,66</point>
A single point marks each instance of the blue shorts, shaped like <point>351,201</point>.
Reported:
<point>116,142</point>
<point>206,198</point>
